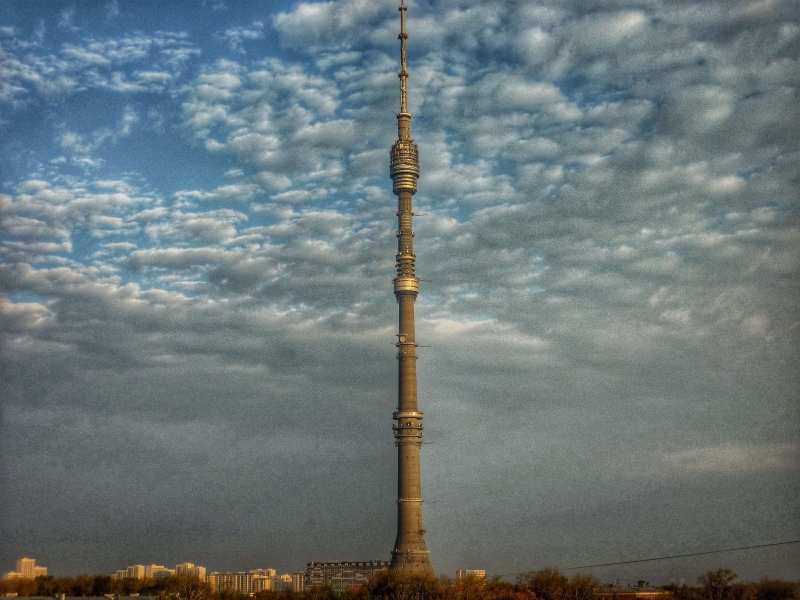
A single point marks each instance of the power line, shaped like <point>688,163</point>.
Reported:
<point>627,562</point>
<point>640,560</point>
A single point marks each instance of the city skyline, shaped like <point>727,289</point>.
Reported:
<point>196,323</point>
<point>344,573</point>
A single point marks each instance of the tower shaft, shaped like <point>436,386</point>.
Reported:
<point>410,554</point>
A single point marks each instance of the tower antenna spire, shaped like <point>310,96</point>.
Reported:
<point>403,74</point>
<point>409,554</point>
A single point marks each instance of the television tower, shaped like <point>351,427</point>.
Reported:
<point>410,554</point>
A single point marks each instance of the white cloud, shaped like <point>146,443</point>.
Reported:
<point>325,24</point>
<point>237,36</point>
<point>85,56</point>
<point>92,64</point>
<point>22,316</point>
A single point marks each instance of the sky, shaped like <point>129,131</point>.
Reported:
<point>197,238</point>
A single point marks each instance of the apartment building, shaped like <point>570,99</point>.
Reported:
<point>26,569</point>
<point>342,575</point>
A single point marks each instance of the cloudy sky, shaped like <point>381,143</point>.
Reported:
<point>196,312</point>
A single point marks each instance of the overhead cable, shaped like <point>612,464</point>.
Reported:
<point>641,560</point>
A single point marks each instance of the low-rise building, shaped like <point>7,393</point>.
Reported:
<point>641,591</point>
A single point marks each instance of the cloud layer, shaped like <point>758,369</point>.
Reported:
<point>197,250</point>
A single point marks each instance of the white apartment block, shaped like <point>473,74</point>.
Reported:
<point>283,583</point>
<point>135,572</point>
<point>163,573</point>
<point>158,571</point>
<point>265,572</point>
<point>257,580</point>
<point>154,571</point>
<point>26,569</point>
<point>476,573</point>
<point>191,570</point>
<point>299,581</point>
<point>230,582</point>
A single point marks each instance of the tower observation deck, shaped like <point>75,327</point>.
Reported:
<point>409,554</point>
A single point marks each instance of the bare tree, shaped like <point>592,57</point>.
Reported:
<point>716,585</point>
<point>549,583</point>
<point>581,587</point>
<point>191,588</point>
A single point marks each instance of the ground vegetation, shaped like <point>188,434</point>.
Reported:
<point>545,584</point>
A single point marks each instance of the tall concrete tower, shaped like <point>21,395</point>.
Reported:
<point>410,554</point>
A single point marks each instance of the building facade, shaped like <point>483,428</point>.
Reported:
<point>342,575</point>
<point>475,573</point>
<point>191,570</point>
<point>135,572</point>
<point>283,583</point>
<point>230,582</point>
<point>299,581</point>
<point>250,582</point>
<point>159,571</point>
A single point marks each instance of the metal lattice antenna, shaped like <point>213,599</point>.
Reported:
<point>403,74</point>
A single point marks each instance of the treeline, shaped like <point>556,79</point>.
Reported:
<point>177,586</point>
<point>547,584</point>
<point>719,585</point>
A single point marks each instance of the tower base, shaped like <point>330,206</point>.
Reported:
<point>413,562</point>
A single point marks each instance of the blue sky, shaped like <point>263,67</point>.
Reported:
<point>196,252</point>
